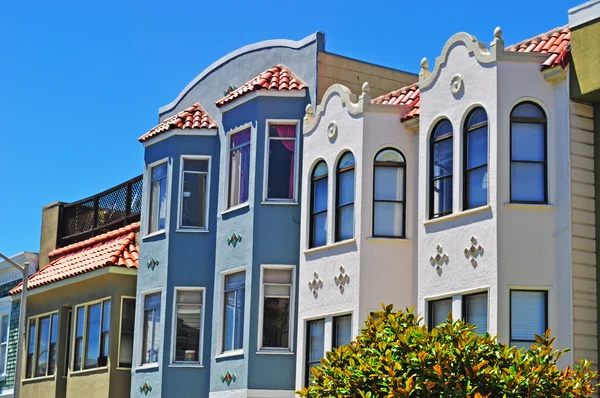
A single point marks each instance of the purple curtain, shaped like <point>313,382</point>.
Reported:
<point>288,132</point>
<point>239,139</point>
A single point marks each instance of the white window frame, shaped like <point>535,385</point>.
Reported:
<point>457,303</point>
<point>140,308</point>
<point>227,161</point>
<point>36,348</point>
<point>541,289</point>
<point>118,367</point>
<point>5,309</point>
<point>221,326</point>
<point>148,189</point>
<point>288,122</point>
<point>86,306</point>
<point>180,227</point>
<point>173,361</point>
<point>275,350</point>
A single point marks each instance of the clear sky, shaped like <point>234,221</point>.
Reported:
<point>80,81</point>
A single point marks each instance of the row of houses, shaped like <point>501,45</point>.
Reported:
<point>288,191</point>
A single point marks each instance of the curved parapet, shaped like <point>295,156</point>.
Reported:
<point>312,118</point>
<point>281,43</point>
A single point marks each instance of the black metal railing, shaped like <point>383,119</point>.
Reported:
<point>106,211</point>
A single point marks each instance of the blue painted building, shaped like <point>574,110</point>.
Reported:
<point>219,249</point>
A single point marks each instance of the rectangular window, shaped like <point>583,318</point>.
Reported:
<point>126,336</point>
<point>92,335</point>
<point>233,328</point>
<point>475,311</point>
<point>68,341</point>
<point>194,195</point>
<point>438,311</point>
<point>239,167</point>
<point>281,149</point>
<point>3,342</point>
<point>188,312</point>
<point>277,290</point>
<point>158,198</point>
<point>315,346</point>
<point>528,316</point>
<point>342,330</point>
<point>150,338</point>
<point>41,348</point>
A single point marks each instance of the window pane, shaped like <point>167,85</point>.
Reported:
<point>342,329</point>
<point>319,232</point>
<point>477,188</point>
<point>195,165</point>
<point>52,350</point>
<point>476,311</point>
<point>105,336</point>
<point>271,275</point>
<point>527,182</point>
<point>42,351</point>
<point>439,311</point>
<point>346,187</point>
<point>106,316</point>
<point>281,169</point>
<point>477,147</point>
<point>239,168</point>
<point>187,346</point>
<point>345,222</point>
<point>442,158</point>
<point>320,170</point>
<point>193,213</point>
<point>389,155</point>
<point>159,171</point>
<point>277,290</point>
<point>127,324</point>
<point>444,127</point>
<point>528,315</point>
<point>158,198</point>
<point>229,329</point>
<point>528,142</point>
<point>346,160</point>
<point>389,219</point>
<point>152,301</point>
<point>150,341</point>
<point>528,109</point>
<point>477,116</point>
<point>316,342</point>
<point>233,328</point>
<point>276,318</point>
<point>235,281</point>
<point>30,349</point>
<point>320,195</point>
<point>2,358</point>
<point>4,329</point>
<point>79,338</point>
<point>93,336</point>
<point>442,196</point>
<point>389,183</point>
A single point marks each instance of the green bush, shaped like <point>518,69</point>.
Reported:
<point>396,356</point>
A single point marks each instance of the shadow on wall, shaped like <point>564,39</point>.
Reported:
<point>331,251</point>
<point>459,221</point>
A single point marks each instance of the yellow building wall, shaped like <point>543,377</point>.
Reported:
<point>585,53</point>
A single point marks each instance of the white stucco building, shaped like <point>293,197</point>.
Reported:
<point>472,193</point>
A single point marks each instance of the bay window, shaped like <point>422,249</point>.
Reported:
<point>41,347</point>
<point>194,194</point>
<point>188,322</point>
<point>233,317</point>
<point>441,163</point>
<point>528,154</point>
<point>276,307</point>
<point>389,206</point>
<point>158,197</point>
<point>528,316</point>
<point>475,159</point>
<point>151,328</point>
<point>318,206</point>
<point>92,335</point>
<point>281,162</point>
<point>344,211</point>
<point>239,167</point>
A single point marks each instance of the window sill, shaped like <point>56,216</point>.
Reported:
<point>235,208</point>
<point>465,213</point>
<point>148,366</point>
<point>528,206</point>
<point>36,379</point>
<point>155,234</point>
<point>330,246</point>
<point>122,368</point>
<point>274,352</point>
<point>279,202</point>
<point>381,239</point>
<point>193,230</point>
<point>186,365</point>
<point>85,371</point>
<point>230,354</point>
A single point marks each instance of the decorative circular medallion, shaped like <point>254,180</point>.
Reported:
<point>456,84</point>
<point>332,130</point>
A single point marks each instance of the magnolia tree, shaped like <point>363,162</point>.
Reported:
<point>396,356</point>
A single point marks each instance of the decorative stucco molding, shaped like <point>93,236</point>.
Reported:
<point>554,75</point>
<point>145,388</point>
<point>342,279</point>
<point>234,239</point>
<point>473,251</point>
<point>152,263</point>
<point>315,284</point>
<point>312,118</point>
<point>439,259</point>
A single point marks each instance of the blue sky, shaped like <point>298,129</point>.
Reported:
<point>80,81</point>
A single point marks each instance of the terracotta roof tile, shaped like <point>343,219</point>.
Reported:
<point>555,43</point>
<point>410,95</point>
<point>276,78</point>
<point>194,117</point>
<point>114,248</point>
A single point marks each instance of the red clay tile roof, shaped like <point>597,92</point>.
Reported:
<point>409,95</point>
<point>276,78</point>
<point>115,248</point>
<point>554,42</point>
<point>194,117</point>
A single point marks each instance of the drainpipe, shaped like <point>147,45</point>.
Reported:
<point>22,322</point>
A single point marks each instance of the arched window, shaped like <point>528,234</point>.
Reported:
<point>440,199</point>
<point>389,207</point>
<point>475,150</point>
<point>318,205</point>
<point>528,154</point>
<point>344,210</point>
